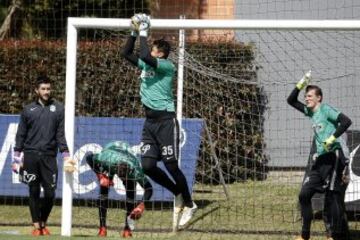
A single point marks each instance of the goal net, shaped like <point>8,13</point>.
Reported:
<point>244,150</point>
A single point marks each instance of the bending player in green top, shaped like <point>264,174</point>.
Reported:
<point>118,159</point>
<point>329,171</point>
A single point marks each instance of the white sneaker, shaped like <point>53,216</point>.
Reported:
<point>187,214</point>
<point>131,223</point>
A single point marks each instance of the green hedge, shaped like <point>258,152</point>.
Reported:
<point>108,86</point>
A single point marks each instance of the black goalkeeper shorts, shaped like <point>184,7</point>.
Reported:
<point>326,173</point>
<point>39,168</point>
<point>160,139</point>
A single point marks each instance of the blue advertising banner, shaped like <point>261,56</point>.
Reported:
<point>91,134</point>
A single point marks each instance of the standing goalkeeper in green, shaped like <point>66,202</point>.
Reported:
<point>118,159</point>
<point>160,136</point>
<point>329,171</point>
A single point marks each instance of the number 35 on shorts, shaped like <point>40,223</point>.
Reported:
<point>167,150</point>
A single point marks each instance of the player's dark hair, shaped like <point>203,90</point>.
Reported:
<point>317,89</point>
<point>41,80</point>
<point>163,46</point>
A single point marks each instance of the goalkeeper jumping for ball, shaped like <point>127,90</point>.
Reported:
<point>329,173</point>
<point>160,136</point>
<point>118,159</point>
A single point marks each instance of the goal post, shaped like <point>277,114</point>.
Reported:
<point>74,24</point>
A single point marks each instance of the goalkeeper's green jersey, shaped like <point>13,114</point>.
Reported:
<point>156,89</point>
<point>324,125</point>
<point>115,153</point>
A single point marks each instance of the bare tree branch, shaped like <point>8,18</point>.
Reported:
<point>8,23</point>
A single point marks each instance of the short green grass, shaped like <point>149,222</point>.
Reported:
<point>256,210</point>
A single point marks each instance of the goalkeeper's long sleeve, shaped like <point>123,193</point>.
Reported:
<point>344,123</point>
<point>127,52</point>
<point>294,102</point>
<point>145,53</point>
<point>21,133</point>
<point>60,134</point>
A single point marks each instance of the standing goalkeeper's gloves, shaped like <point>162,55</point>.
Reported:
<point>329,142</point>
<point>69,163</point>
<point>17,161</point>
<point>304,81</point>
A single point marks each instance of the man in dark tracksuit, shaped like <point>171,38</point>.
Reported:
<point>328,173</point>
<point>39,136</point>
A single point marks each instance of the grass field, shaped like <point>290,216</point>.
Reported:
<point>256,210</point>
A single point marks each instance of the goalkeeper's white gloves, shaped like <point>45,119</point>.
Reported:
<point>140,23</point>
<point>17,161</point>
<point>69,163</point>
<point>144,26</point>
<point>135,22</point>
<point>304,81</point>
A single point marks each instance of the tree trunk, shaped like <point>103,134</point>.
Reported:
<point>9,23</point>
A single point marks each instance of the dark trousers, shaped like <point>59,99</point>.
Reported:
<point>40,170</point>
<point>325,177</point>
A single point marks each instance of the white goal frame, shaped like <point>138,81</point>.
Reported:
<point>74,24</point>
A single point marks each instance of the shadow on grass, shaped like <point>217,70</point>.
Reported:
<point>154,205</point>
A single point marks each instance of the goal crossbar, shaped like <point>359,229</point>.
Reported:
<point>240,24</point>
